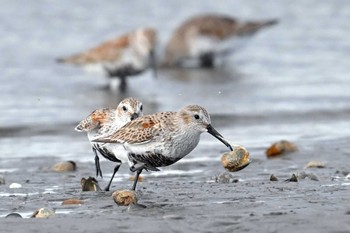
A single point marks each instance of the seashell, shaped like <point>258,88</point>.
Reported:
<point>235,160</point>
<point>15,186</point>
<point>125,197</point>
<point>43,213</point>
<point>294,178</point>
<point>13,215</point>
<point>72,202</point>
<point>273,178</point>
<point>315,164</point>
<point>90,184</point>
<point>67,166</point>
<point>280,148</point>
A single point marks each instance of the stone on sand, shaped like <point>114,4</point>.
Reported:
<point>125,197</point>
<point>67,166</point>
<point>280,148</point>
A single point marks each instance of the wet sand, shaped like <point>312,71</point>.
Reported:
<point>193,201</point>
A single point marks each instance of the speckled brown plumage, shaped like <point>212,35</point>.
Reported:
<point>101,122</point>
<point>214,27</point>
<point>163,138</point>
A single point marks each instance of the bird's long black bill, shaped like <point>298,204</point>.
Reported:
<point>216,134</point>
<point>153,62</point>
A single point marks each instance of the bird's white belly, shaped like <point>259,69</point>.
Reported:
<point>202,44</point>
<point>172,150</point>
<point>118,151</point>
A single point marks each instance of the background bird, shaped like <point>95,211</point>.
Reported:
<point>101,121</point>
<point>162,139</point>
<point>127,55</point>
<point>205,37</point>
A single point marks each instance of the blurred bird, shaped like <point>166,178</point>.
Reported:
<point>206,37</point>
<point>100,122</point>
<point>127,55</point>
<point>163,138</point>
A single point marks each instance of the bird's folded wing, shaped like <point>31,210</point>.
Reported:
<point>138,131</point>
<point>107,51</point>
<point>95,119</point>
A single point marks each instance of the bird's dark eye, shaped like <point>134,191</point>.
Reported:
<point>196,116</point>
<point>124,109</point>
<point>141,108</point>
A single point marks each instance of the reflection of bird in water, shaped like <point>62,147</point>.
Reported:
<point>127,55</point>
<point>206,37</point>
<point>100,122</point>
<point>163,138</point>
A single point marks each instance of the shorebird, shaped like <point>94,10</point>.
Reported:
<point>205,37</point>
<point>163,138</point>
<point>100,122</point>
<point>127,55</point>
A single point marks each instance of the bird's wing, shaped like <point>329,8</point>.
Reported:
<point>107,51</point>
<point>138,131</point>
<point>97,118</point>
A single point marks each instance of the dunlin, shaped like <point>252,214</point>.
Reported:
<point>162,139</point>
<point>127,55</point>
<point>102,121</point>
<point>205,37</point>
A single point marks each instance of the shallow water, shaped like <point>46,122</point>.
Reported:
<point>289,82</point>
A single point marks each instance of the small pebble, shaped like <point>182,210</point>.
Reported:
<point>15,186</point>
<point>315,164</point>
<point>273,178</point>
<point>43,213</point>
<point>67,166</point>
<point>125,197</point>
<point>294,178</point>
<point>225,178</point>
<point>72,202</point>
<point>280,148</point>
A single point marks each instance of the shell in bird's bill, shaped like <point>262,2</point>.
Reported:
<point>235,160</point>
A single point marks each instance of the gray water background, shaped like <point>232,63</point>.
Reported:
<point>291,81</point>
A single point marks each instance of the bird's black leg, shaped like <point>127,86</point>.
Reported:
<point>207,60</point>
<point>138,172</point>
<point>97,164</point>
<point>116,168</point>
<point>122,85</point>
